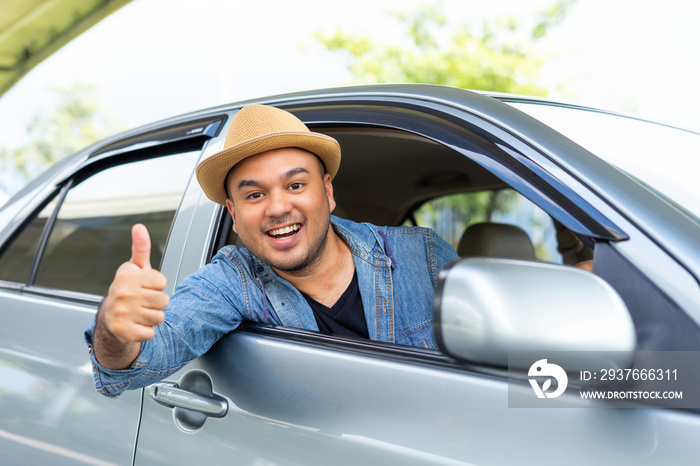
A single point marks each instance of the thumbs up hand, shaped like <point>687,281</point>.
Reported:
<point>140,247</point>
<point>133,306</point>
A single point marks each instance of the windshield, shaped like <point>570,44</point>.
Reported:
<point>664,158</point>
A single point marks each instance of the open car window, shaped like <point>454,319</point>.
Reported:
<point>392,177</point>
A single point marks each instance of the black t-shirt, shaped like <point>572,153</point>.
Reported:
<point>346,317</point>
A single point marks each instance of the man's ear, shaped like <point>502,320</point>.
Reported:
<point>328,186</point>
<point>232,211</point>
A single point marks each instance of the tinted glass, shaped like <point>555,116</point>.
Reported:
<point>450,216</point>
<point>92,233</point>
<point>16,262</point>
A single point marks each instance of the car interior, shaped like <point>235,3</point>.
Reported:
<point>392,177</point>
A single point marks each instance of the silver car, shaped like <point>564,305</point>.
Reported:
<point>523,188</point>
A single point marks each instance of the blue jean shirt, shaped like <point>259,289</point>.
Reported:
<point>397,269</point>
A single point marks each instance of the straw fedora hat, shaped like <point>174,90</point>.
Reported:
<point>256,129</point>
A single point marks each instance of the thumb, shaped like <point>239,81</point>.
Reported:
<point>140,246</point>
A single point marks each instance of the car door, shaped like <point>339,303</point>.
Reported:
<point>266,395</point>
<point>56,263</point>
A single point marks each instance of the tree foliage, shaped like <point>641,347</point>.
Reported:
<point>77,121</point>
<point>496,54</point>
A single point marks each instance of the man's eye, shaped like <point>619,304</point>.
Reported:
<point>295,186</point>
<point>255,196</point>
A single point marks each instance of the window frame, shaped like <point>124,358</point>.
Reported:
<point>91,167</point>
<point>469,135</point>
<point>183,137</point>
<point>510,160</point>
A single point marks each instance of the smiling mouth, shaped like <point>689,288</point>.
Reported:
<point>285,232</point>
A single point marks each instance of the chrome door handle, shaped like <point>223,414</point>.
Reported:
<point>172,396</point>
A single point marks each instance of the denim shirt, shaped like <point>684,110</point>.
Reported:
<point>397,269</point>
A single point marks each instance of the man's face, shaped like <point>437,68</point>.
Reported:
<point>281,204</point>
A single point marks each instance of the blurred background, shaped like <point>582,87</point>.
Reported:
<point>151,59</point>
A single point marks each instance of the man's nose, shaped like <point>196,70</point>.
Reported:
<point>278,203</point>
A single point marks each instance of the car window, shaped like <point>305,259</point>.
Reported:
<point>450,216</point>
<point>91,234</point>
<point>16,263</point>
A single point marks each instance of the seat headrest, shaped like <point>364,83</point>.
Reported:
<point>496,240</point>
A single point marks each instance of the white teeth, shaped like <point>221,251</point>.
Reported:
<point>285,230</point>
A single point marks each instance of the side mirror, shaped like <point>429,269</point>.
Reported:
<point>486,307</point>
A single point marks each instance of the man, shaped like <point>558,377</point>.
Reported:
<point>301,267</point>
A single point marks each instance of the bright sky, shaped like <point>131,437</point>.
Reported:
<point>158,58</point>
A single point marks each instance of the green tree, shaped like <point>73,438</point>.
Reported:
<point>77,121</point>
<point>496,54</point>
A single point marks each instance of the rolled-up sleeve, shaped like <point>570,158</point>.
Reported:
<point>204,307</point>
<point>112,382</point>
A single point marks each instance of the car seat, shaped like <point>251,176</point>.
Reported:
<point>496,240</point>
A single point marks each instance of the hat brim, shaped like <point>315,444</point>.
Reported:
<point>212,172</point>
